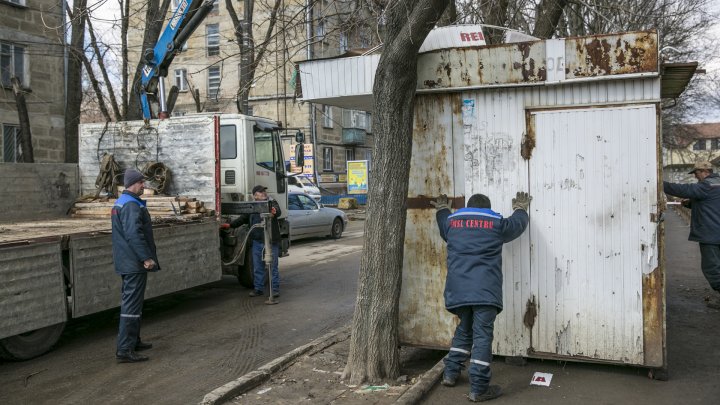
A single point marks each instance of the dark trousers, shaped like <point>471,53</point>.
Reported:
<point>133,294</point>
<point>710,263</point>
<point>259,266</point>
<point>473,340</point>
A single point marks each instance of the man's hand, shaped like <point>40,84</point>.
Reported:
<point>521,201</point>
<point>273,211</point>
<point>441,202</point>
<point>149,264</point>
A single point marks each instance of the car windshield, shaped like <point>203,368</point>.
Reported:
<point>305,181</point>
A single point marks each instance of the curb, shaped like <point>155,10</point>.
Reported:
<point>416,393</point>
<point>254,378</point>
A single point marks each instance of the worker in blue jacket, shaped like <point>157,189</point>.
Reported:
<point>703,198</point>
<point>134,255</point>
<point>473,289</point>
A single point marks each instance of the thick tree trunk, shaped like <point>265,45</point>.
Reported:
<point>548,16</point>
<point>74,79</point>
<point>450,16</point>
<point>374,354</point>
<point>154,22</point>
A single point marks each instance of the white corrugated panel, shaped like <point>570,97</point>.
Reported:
<point>593,181</point>
<point>335,80</point>
<point>493,132</point>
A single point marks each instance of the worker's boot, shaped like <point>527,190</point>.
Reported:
<point>448,380</point>
<point>491,392</point>
<point>713,301</point>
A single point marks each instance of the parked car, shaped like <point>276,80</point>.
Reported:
<point>299,183</point>
<point>308,218</point>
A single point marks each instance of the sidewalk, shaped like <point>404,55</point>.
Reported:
<point>311,374</point>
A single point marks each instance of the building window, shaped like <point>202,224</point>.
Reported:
<point>11,144</point>
<point>715,144</point>
<point>699,145</point>
<point>216,6</point>
<point>181,79</point>
<point>349,155</point>
<point>18,2</point>
<point>212,35</point>
<point>327,116</point>
<point>12,63</point>
<point>343,43</point>
<point>327,159</point>
<point>356,119</point>
<point>213,82</point>
<point>320,30</point>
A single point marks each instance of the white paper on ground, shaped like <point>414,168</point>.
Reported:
<point>541,379</point>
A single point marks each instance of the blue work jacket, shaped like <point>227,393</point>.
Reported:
<point>705,207</point>
<point>132,235</point>
<point>475,237</point>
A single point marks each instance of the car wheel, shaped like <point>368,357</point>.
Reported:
<point>337,229</point>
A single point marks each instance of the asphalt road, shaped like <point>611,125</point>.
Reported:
<point>202,337</point>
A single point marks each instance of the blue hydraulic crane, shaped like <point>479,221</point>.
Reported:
<point>188,15</point>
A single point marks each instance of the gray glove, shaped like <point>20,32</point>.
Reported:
<point>521,201</point>
<point>441,202</point>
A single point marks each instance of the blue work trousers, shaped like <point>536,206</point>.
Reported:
<point>473,340</point>
<point>133,295</point>
<point>710,264</point>
<point>259,266</point>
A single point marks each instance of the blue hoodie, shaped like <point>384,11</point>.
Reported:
<point>474,239</point>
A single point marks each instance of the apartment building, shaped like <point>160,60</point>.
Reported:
<point>31,49</point>
<point>207,71</point>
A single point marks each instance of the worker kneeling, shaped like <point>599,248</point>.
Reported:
<point>473,288</point>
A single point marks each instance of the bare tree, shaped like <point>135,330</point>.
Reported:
<point>74,80</point>
<point>374,353</point>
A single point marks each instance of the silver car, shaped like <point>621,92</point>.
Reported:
<point>307,218</point>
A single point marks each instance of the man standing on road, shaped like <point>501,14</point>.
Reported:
<point>257,237</point>
<point>473,288</point>
<point>703,198</point>
<point>134,255</point>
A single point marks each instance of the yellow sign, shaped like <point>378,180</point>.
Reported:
<point>309,159</point>
<point>357,176</point>
<point>342,178</point>
<point>327,178</point>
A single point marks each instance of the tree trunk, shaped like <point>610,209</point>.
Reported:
<point>25,135</point>
<point>154,22</point>
<point>374,354</point>
<point>495,13</point>
<point>74,80</point>
<point>548,16</point>
<point>450,16</point>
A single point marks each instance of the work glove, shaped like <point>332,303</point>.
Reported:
<point>521,201</point>
<point>441,202</point>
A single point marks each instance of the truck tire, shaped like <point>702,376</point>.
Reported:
<point>245,272</point>
<point>31,344</point>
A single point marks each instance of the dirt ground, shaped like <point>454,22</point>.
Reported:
<point>316,378</point>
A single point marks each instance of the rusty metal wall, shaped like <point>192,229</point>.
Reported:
<point>593,181</point>
<point>594,57</point>
<point>32,292</point>
<point>436,168</point>
<point>46,190</point>
<point>186,145</point>
<point>189,256</point>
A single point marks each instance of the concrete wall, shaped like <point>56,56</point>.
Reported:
<point>36,191</point>
<point>44,73</point>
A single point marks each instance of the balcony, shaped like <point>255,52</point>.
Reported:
<point>353,136</point>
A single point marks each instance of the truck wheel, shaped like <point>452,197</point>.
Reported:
<point>337,229</point>
<point>31,344</point>
<point>245,272</point>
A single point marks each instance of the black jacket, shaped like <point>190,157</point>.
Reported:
<point>257,234</point>
<point>705,203</point>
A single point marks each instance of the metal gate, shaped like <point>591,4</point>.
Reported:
<point>593,178</point>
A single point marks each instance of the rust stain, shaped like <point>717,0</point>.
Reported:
<point>423,202</point>
<point>432,83</point>
<point>448,69</point>
<point>530,313</point>
<point>528,142</point>
<point>653,302</point>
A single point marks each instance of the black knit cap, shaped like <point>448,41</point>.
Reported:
<point>258,188</point>
<point>132,176</point>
